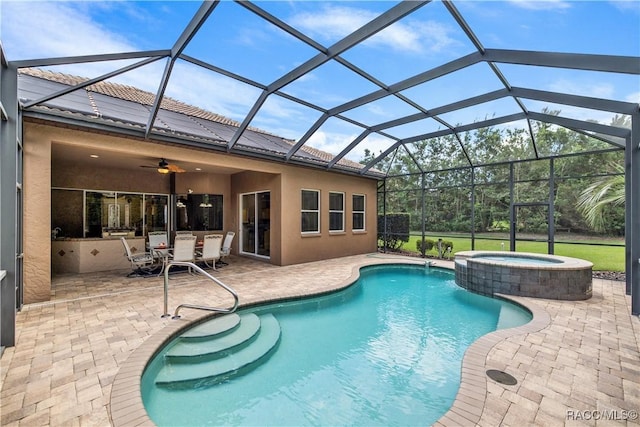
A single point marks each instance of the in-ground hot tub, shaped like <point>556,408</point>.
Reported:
<point>524,274</point>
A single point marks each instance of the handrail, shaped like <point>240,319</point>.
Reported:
<point>197,307</point>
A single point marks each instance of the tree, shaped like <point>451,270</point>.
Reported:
<point>437,174</point>
<point>595,201</point>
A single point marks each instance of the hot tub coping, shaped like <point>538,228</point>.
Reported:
<point>565,263</point>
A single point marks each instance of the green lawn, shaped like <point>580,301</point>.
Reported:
<point>604,258</point>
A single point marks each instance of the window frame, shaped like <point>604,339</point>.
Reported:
<point>337,211</point>
<point>303,211</point>
<point>355,212</point>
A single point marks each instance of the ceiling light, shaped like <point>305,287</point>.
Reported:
<point>163,166</point>
<point>94,156</point>
<point>198,169</point>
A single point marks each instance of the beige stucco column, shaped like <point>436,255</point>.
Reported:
<point>37,215</point>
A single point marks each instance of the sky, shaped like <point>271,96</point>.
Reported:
<point>237,40</point>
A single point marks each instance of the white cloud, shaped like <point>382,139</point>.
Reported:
<point>278,108</point>
<point>60,30</point>
<point>376,110</point>
<point>319,140</point>
<point>541,4</point>
<point>68,30</point>
<point>627,5</point>
<point>334,143</point>
<point>253,37</point>
<point>211,91</point>
<point>332,22</point>
<point>374,143</point>
<point>433,34</point>
<point>633,97</point>
<point>577,113</point>
<point>408,36</point>
<point>595,90</point>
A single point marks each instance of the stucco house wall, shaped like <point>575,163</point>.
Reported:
<point>237,175</point>
<point>36,215</point>
<point>298,247</point>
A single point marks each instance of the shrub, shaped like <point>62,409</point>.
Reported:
<point>424,246</point>
<point>397,231</point>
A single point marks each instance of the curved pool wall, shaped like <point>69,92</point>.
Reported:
<point>127,408</point>
<point>524,274</point>
<point>302,374</point>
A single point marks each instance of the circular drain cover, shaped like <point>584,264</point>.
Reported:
<point>501,377</point>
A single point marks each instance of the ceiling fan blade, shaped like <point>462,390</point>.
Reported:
<point>165,167</point>
<point>174,168</point>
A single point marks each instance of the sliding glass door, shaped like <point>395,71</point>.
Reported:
<point>255,212</point>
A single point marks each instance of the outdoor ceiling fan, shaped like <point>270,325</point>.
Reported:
<point>166,167</point>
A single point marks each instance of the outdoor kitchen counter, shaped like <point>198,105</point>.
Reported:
<point>69,255</point>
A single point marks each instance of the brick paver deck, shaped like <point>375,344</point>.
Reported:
<point>576,362</point>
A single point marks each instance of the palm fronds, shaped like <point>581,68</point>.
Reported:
<point>594,200</point>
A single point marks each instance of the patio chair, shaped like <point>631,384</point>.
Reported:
<point>159,247</point>
<point>158,239</point>
<point>226,247</point>
<point>184,249</point>
<point>142,263</point>
<point>210,250</point>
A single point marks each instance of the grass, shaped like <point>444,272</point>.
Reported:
<point>604,258</point>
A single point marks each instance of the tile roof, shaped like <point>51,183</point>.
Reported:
<point>198,123</point>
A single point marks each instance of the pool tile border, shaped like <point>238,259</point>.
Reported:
<point>126,408</point>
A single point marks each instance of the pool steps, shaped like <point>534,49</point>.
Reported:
<point>510,316</point>
<point>222,355</point>
<point>206,330</point>
<point>216,346</point>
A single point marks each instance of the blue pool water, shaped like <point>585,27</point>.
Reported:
<point>385,351</point>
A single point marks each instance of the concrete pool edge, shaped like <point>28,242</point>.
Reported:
<point>126,407</point>
<point>469,403</point>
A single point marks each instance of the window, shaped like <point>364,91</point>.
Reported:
<point>156,213</point>
<point>66,213</point>
<point>358,212</point>
<point>199,212</point>
<point>336,211</point>
<point>110,213</point>
<point>310,212</point>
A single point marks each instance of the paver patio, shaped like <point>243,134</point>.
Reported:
<point>577,362</point>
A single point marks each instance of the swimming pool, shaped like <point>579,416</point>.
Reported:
<point>386,350</point>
